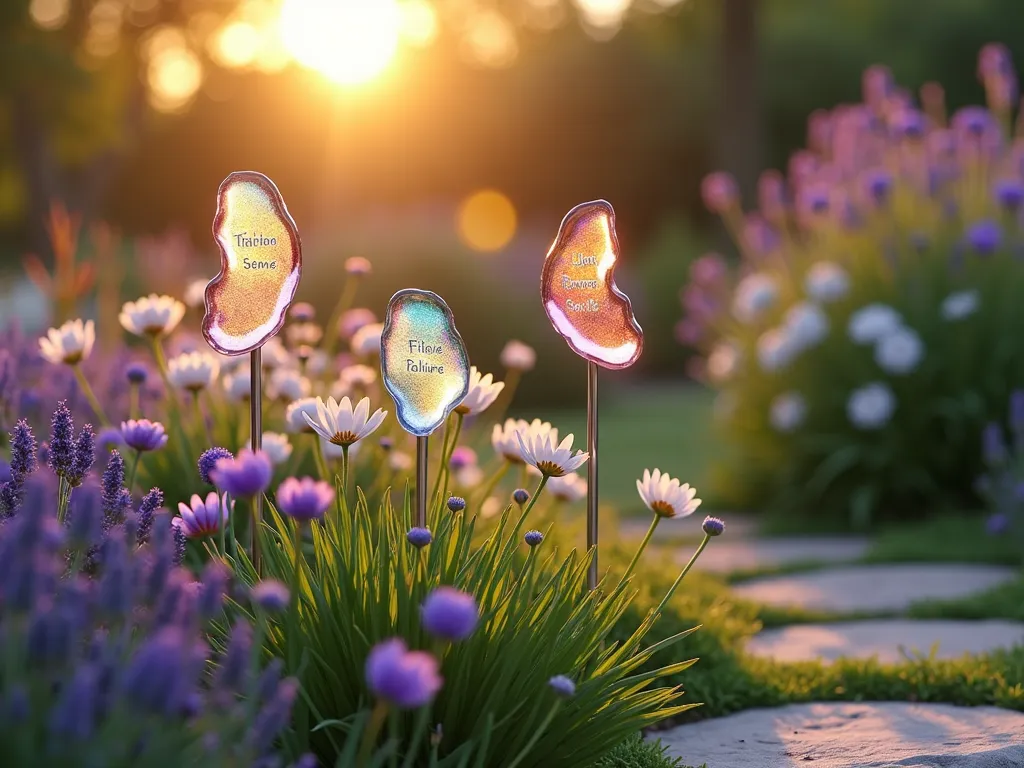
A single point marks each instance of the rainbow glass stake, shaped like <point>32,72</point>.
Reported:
<point>594,317</point>
<point>246,303</point>
<point>425,368</point>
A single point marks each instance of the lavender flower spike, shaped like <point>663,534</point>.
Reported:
<point>23,451</point>
<point>150,503</point>
<point>113,484</point>
<point>84,455</point>
<point>209,460</point>
<point>62,440</point>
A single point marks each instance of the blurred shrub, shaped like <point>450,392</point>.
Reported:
<point>1002,484</point>
<point>865,341</point>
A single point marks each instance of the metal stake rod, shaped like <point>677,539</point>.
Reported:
<point>592,471</point>
<point>421,482</point>
<point>256,443</point>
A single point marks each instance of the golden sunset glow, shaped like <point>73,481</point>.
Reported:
<point>487,220</point>
<point>349,41</point>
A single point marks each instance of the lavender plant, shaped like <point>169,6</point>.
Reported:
<point>1002,483</point>
<point>865,340</point>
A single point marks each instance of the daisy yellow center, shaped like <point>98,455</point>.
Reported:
<point>663,508</point>
<point>71,358</point>
<point>344,438</point>
<point>550,469</point>
<point>462,409</point>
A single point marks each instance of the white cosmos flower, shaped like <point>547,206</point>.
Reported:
<point>807,324</point>
<point>332,452</point>
<point>826,281</point>
<point>194,371</point>
<point>237,386</point>
<point>399,461</point>
<point>776,349</point>
<point>287,384</point>
<point>357,376</point>
<point>505,442</point>
<point>959,305</point>
<point>195,294</point>
<point>570,487</point>
<point>483,391</point>
<point>151,315</point>
<point>755,294</point>
<point>871,406</point>
<point>542,450</point>
<point>788,411</point>
<point>295,415</point>
<point>899,352</point>
<point>340,424</point>
<point>665,496</point>
<point>723,361</point>
<point>366,341</point>
<point>277,447</point>
<point>71,343</point>
<point>873,322</point>
<point>517,356</point>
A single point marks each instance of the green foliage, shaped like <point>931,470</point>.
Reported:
<point>634,752</point>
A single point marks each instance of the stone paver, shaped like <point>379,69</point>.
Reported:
<point>884,639</point>
<point>729,555</point>
<point>874,587</point>
<point>862,735</point>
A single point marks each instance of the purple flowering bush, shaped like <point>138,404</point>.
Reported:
<point>1002,483</point>
<point>866,336</point>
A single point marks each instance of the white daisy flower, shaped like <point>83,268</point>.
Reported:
<point>723,361</point>
<point>273,355</point>
<point>807,324</point>
<point>237,385</point>
<point>366,341</point>
<point>959,305</point>
<point>873,322</point>
<point>287,384</point>
<point>517,356</point>
<point>340,424</point>
<point>151,315</point>
<point>776,349</point>
<point>317,362</point>
<point>826,281</point>
<point>277,447</point>
<point>70,344</point>
<point>665,496</point>
<point>295,415</point>
<point>195,294</point>
<point>483,391</point>
<point>332,452</point>
<point>308,334</point>
<point>194,371</point>
<point>755,294</point>
<point>505,442</point>
<point>871,406</point>
<point>899,352</point>
<point>358,376</point>
<point>569,487</point>
<point>788,411</point>
<point>542,450</point>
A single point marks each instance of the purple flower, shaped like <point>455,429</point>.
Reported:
<point>973,121</point>
<point>876,85</point>
<point>23,451</point>
<point>992,446</point>
<point>304,500</point>
<point>403,678</point>
<point>109,438</point>
<point>712,526</point>
<point>164,672</point>
<point>271,595</point>
<point>62,440</point>
<point>520,496</point>
<point>814,199</point>
<point>419,537</point>
<point>450,614</point>
<point>302,312</point>
<point>248,474</point>
<point>771,195</point>
<point>719,192</point>
<point>275,715</point>
<point>533,538</point>
<point>984,237</point>
<point>209,460</point>
<point>562,686</point>
<point>878,185</point>
<point>214,584</point>
<point>150,503</point>
<point>994,59</point>
<point>456,503</point>
<point>997,524</point>
<point>1017,410</point>
<point>84,455</point>
<point>203,517</point>
<point>709,270</point>
<point>908,124</point>
<point>77,712</point>
<point>386,443</point>
<point>462,457</point>
<point>85,515</point>
<point>1009,194</point>
<point>137,373</point>
<point>232,669</point>
<point>113,485</point>
<point>143,435</point>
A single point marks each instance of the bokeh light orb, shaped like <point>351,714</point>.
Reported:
<point>486,221</point>
<point>348,41</point>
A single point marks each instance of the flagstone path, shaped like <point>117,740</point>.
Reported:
<point>854,735</point>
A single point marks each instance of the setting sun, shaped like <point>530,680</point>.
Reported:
<point>349,41</point>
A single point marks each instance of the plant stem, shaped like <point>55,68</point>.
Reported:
<point>533,500</point>
<point>296,586</point>
<point>643,546</point>
<point>447,459</point>
<point>495,479</point>
<point>135,467</point>
<point>133,401</point>
<point>537,733</point>
<point>678,581</point>
<point>201,419</point>
<point>344,475</point>
<point>90,395</point>
<point>348,294</point>
<point>440,466</point>
<point>377,718</point>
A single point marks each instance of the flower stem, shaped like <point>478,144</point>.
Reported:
<point>348,294</point>
<point>538,732</point>
<point>90,396</point>
<point>380,714</point>
<point>447,459</point>
<point>201,418</point>
<point>135,467</point>
<point>533,500</point>
<point>678,581</point>
<point>643,546</point>
<point>133,401</point>
<point>494,480</point>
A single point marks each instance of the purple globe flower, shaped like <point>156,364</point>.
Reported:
<point>136,373</point>
<point>814,199</point>
<point>719,192</point>
<point>712,526</point>
<point>997,524</point>
<point>533,538</point>
<point>403,678</point>
<point>109,438</point>
<point>563,686</point>
<point>456,503</point>
<point>993,447</point>
<point>143,435</point>
<point>710,269</point>
<point>1017,410</point>
<point>878,185</point>
<point>984,237</point>
<point>462,457</point>
<point>208,460</point>
<point>520,496</point>
<point>1009,194</point>
<point>202,517</point>
<point>271,595</point>
<point>450,614</point>
<point>419,537</point>
<point>246,475</point>
<point>304,500</point>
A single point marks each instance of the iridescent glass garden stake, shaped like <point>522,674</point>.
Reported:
<point>425,368</point>
<point>586,307</point>
<point>260,264</point>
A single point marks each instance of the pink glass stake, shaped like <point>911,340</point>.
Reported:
<point>594,317</point>
<point>246,303</point>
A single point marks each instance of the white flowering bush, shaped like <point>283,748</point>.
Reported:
<point>871,328</point>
